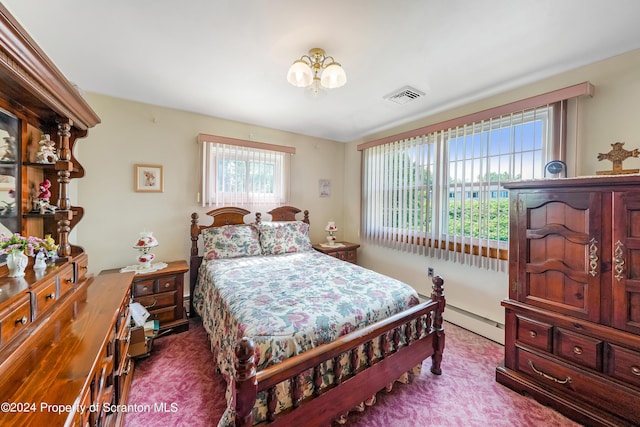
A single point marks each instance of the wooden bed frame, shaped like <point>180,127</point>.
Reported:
<point>421,326</point>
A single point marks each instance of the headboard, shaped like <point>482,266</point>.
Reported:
<point>229,216</point>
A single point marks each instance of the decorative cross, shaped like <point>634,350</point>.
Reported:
<point>617,155</point>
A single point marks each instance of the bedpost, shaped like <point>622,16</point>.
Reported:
<point>437,295</point>
<point>195,232</point>
<point>194,262</point>
<point>306,216</point>
<point>258,218</point>
<point>246,383</point>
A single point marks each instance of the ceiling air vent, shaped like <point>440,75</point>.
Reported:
<point>404,95</point>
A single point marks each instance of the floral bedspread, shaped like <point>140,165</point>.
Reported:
<point>289,304</point>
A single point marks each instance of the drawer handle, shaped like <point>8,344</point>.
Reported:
<point>567,380</point>
<point>52,295</point>
<point>22,321</point>
<point>533,334</point>
<point>168,284</point>
<point>635,370</point>
<point>577,350</point>
<point>144,289</point>
<point>69,280</point>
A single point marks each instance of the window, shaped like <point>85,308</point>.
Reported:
<point>438,190</point>
<point>244,173</point>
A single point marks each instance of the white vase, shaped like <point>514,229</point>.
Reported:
<point>17,263</point>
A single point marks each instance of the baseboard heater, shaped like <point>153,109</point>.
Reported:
<point>467,313</point>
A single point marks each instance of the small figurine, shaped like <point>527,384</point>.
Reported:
<point>44,196</point>
<point>47,152</point>
<point>9,149</point>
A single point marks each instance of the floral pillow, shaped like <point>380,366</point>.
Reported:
<point>231,241</point>
<point>284,237</point>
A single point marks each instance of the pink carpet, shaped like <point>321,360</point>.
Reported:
<point>179,377</point>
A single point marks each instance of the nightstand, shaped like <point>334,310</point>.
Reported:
<point>162,294</point>
<point>345,251</point>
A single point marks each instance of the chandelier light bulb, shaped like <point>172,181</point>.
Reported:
<point>333,76</point>
<point>300,74</point>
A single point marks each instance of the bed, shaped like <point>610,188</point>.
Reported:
<point>302,338</point>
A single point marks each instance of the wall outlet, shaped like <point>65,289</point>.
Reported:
<point>430,272</point>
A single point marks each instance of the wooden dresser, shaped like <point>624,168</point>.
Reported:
<point>345,251</point>
<point>64,348</point>
<point>573,314</point>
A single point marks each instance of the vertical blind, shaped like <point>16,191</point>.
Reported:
<point>243,173</point>
<point>438,190</point>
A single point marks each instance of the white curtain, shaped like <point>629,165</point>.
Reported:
<point>243,176</point>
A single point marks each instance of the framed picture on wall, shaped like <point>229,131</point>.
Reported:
<point>324,187</point>
<point>148,178</point>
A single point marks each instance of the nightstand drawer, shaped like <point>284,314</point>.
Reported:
<point>151,302</point>
<point>143,287</point>
<point>163,315</point>
<point>165,284</point>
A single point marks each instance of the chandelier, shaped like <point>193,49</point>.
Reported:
<point>316,70</point>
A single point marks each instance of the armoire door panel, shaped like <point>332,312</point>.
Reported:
<point>562,230</point>
<point>626,261</point>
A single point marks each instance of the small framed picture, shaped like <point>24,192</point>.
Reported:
<point>148,178</point>
<point>324,187</point>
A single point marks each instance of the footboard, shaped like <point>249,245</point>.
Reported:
<point>421,328</point>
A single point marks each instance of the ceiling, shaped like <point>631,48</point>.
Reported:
<point>229,58</point>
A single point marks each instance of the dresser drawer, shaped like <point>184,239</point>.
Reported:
<point>154,301</point>
<point>580,349</point>
<point>81,265</point>
<point>624,364</point>
<point>15,319</point>
<point>66,279</point>
<point>533,333</point>
<point>577,383</point>
<point>46,295</point>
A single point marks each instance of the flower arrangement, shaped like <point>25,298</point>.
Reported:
<point>30,246</point>
<point>18,243</point>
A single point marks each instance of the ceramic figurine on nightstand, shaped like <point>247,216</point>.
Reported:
<point>331,228</point>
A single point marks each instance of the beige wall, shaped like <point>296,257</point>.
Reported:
<point>610,116</point>
<point>133,133</point>
<point>138,133</point>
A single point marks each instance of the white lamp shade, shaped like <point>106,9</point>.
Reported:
<point>300,74</point>
<point>333,76</point>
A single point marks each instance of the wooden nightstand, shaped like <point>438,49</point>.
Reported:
<point>162,294</point>
<point>345,251</point>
